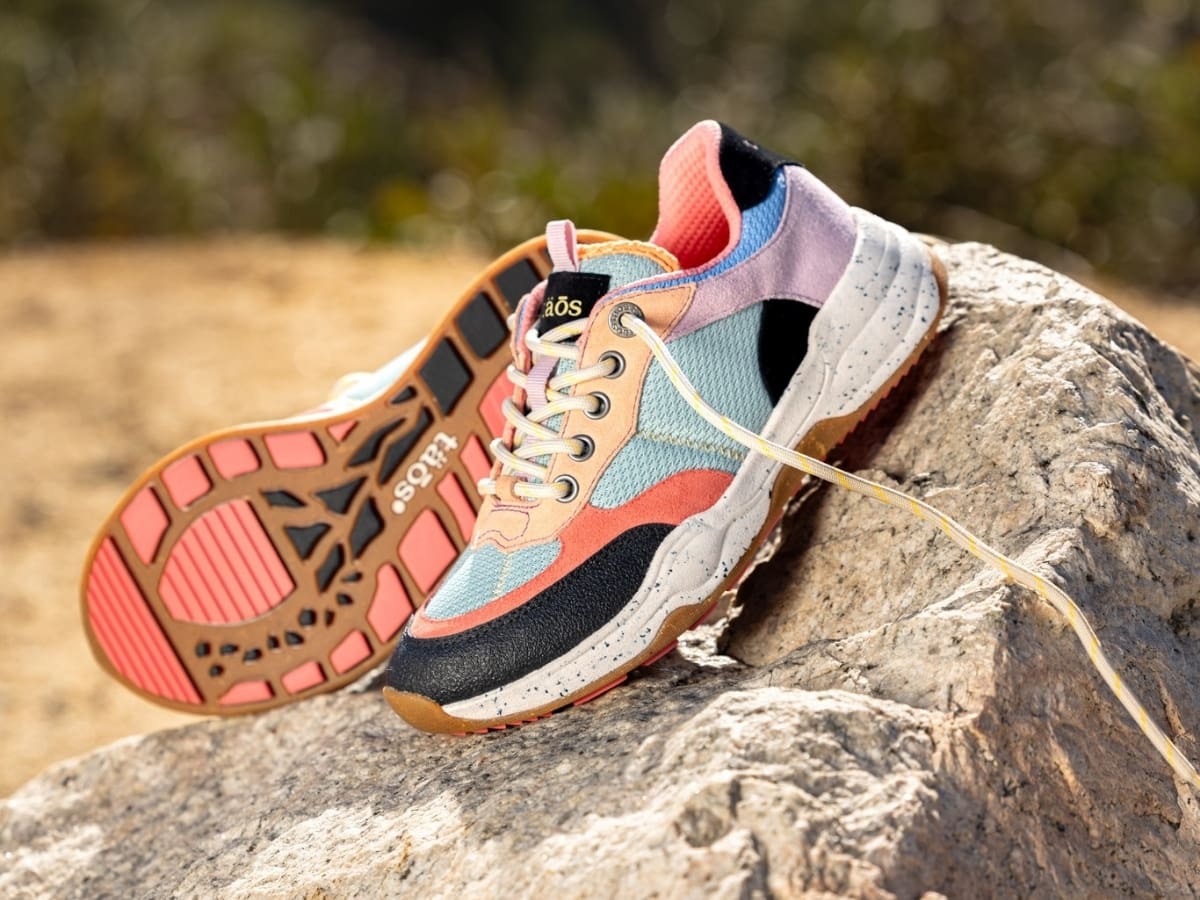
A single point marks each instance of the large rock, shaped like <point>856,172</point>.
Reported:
<point>885,717</point>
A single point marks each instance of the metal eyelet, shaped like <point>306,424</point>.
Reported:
<point>602,406</point>
<point>589,447</point>
<point>618,363</point>
<point>621,309</point>
<point>572,488</point>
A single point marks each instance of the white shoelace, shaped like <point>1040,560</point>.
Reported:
<point>533,439</point>
<point>1010,569</point>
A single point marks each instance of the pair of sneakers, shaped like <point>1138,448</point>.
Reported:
<point>639,402</point>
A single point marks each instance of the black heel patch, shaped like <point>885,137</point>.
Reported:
<point>749,169</point>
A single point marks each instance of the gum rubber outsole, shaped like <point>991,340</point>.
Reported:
<point>279,560</point>
<point>428,715</point>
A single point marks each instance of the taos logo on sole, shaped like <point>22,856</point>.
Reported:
<point>421,472</point>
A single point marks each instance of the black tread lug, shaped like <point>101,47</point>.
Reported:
<point>516,281</point>
<point>338,499</point>
<point>446,375</point>
<point>329,568</point>
<point>283,498</point>
<point>481,327</point>
<point>369,448</point>
<point>305,537</point>
<point>402,446</point>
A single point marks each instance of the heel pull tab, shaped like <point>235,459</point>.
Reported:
<point>562,246</point>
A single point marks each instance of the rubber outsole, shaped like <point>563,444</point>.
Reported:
<point>279,560</point>
<point>427,715</point>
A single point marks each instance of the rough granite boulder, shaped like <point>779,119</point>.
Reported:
<point>880,716</point>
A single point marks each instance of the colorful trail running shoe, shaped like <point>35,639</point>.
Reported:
<point>615,516</point>
<point>278,560</point>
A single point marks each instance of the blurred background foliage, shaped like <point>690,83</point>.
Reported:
<point>1031,123</point>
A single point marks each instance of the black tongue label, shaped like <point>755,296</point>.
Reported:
<point>570,296</point>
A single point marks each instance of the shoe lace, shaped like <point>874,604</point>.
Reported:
<point>1009,568</point>
<point>533,439</point>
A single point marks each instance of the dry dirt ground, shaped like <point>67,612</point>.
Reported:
<point>111,356</point>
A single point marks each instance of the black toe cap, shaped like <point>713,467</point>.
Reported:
<point>545,627</point>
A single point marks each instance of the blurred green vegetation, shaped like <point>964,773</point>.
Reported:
<point>1070,122</point>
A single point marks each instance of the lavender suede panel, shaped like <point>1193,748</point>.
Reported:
<point>802,260</point>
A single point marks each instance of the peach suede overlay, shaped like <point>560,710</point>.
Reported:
<point>507,521</point>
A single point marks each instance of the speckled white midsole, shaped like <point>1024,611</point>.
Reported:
<point>878,313</point>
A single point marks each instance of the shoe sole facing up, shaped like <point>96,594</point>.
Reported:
<point>821,440</point>
<point>273,561</point>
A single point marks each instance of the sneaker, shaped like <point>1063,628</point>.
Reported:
<point>615,517</point>
<point>278,560</point>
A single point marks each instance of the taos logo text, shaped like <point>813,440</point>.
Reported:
<point>562,306</point>
<point>420,473</point>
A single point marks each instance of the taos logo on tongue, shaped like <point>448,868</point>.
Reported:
<point>570,296</point>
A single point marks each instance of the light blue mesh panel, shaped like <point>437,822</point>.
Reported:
<point>721,360</point>
<point>482,574</point>
<point>622,268</point>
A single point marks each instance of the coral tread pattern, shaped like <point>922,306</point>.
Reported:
<point>145,522</point>
<point>390,607</point>
<point>339,431</point>
<point>427,550</point>
<point>493,400</point>
<point>274,560</point>
<point>128,631</point>
<point>295,450</point>
<point>350,652</point>
<point>233,458</point>
<point>247,692</point>
<point>224,569</point>
<point>303,677</point>
<point>476,459</point>
<point>450,490</point>
<point>186,481</point>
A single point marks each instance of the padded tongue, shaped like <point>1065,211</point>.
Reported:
<point>573,293</point>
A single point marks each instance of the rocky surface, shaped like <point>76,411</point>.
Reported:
<point>883,717</point>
